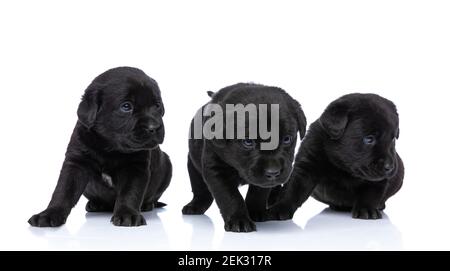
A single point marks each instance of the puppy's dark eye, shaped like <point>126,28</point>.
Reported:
<point>287,140</point>
<point>369,140</point>
<point>126,107</point>
<point>248,143</point>
<point>158,105</point>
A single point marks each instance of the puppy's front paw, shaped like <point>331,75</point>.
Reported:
<point>280,212</point>
<point>51,217</point>
<point>240,224</point>
<point>195,207</point>
<point>366,213</point>
<point>127,218</point>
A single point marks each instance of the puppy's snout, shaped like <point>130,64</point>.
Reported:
<point>388,167</point>
<point>152,128</point>
<point>272,173</point>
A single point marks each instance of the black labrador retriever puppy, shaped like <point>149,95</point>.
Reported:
<point>347,159</point>
<point>113,156</point>
<point>218,166</point>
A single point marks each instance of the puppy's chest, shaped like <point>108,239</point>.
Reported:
<point>341,181</point>
<point>108,175</point>
<point>107,179</point>
<point>109,171</point>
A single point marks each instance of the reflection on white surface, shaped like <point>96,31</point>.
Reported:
<point>202,231</point>
<point>98,234</point>
<point>328,230</point>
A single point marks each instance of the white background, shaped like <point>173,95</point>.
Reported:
<point>316,50</point>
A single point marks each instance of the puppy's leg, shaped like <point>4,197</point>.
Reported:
<point>368,201</point>
<point>294,194</point>
<point>274,195</point>
<point>161,174</point>
<point>101,197</point>
<point>71,184</point>
<point>223,182</point>
<point>98,206</point>
<point>256,201</point>
<point>338,208</point>
<point>131,186</point>
<point>202,197</point>
<point>231,205</point>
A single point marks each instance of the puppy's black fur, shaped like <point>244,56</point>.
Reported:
<point>347,159</point>
<point>218,166</point>
<point>113,157</point>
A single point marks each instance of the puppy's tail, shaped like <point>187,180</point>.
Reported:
<point>210,93</point>
<point>160,204</point>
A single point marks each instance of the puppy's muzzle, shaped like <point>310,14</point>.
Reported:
<point>152,128</point>
<point>272,173</point>
<point>388,166</point>
<point>273,176</point>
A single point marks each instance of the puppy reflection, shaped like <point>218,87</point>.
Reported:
<point>273,235</point>
<point>334,231</point>
<point>202,231</point>
<point>94,235</point>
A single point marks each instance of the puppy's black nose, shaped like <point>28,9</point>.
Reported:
<point>153,127</point>
<point>272,173</point>
<point>388,167</point>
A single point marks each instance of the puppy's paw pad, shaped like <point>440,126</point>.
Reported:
<point>242,224</point>
<point>48,218</point>
<point>366,213</point>
<point>128,220</point>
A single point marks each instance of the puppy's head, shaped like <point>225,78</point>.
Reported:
<point>361,130</point>
<point>263,168</point>
<point>124,107</point>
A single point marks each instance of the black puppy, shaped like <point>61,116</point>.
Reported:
<point>113,157</point>
<point>347,159</point>
<point>218,166</point>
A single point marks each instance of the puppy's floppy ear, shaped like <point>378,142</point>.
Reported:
<point>219,143</point>
<point>335,118</point>
<point>214,120</point>
<point>163,109</point>
<point>88,108</point>
<point>301,120</point>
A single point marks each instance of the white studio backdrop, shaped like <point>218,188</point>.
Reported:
<point>316,50</point>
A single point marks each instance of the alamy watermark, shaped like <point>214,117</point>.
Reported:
<point>240,122</point>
